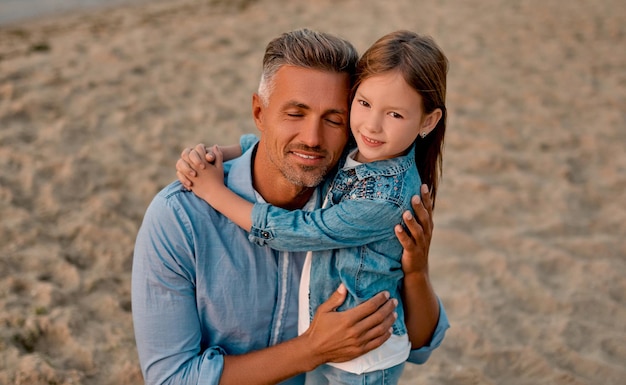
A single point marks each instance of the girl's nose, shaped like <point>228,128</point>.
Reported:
<point>373,124</point>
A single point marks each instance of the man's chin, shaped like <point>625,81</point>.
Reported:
<point>306,177</point>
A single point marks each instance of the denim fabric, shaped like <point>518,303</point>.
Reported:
<point>328,375</point>
<point>201,290</point>
<point>352,237</point>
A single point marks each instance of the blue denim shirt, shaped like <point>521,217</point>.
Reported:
<point>353,236</point>
<point>200,290</point>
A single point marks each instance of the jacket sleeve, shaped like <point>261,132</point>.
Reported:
<point>421,355</point>
<point>349,223</point>
<point>246,141</point>
<point>165,317</point>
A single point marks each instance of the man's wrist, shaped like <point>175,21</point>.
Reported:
<point>311,358</point>
<point>417,277</point>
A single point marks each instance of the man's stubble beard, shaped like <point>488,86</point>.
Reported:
<point>301,176</point>
<point>305,178</point>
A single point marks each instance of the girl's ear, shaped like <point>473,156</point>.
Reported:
<point>430,121</point>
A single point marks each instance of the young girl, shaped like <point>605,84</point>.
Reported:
<point>397,120</point>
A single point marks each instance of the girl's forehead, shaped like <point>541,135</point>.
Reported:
<point>384,79</point>
<point>382,76</point>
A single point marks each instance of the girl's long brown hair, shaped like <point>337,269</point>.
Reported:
<point>424,67</point>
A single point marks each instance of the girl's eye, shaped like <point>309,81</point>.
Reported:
<point>395,115</point>
<point>364,103</point>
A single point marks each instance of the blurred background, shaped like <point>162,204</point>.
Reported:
<point>98,98</point>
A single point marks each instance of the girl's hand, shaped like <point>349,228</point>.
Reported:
<point>209,176</point>
<point>191,160</point>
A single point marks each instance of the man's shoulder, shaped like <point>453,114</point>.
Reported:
<point>174,208</point>
<point>174,197</point>
<point>172,191</point>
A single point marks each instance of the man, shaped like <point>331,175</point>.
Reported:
<point>210,307</point>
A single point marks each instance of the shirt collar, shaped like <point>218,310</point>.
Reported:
<point>239,180</point>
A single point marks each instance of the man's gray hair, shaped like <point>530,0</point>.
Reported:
<point>307,49</point>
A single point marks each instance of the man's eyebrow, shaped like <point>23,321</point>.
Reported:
<point>297,104</point>
<point>335,111</point>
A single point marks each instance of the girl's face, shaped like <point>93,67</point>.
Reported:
<point>386,117</point>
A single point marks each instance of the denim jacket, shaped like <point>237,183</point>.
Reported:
<point>352,237</point>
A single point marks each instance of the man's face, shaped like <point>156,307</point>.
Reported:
<point>304,127</point>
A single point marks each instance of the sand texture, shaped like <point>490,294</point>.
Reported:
<point>529,250</point>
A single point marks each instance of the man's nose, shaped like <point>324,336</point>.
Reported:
<point>312,134</point>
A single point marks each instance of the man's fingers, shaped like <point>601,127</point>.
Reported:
<point>379,321</point>
<point>413,224</point>
<point>406,238</point>
<point>376,336</point>
<point>376,342</point>
<point>376,328</point>
<point>422,208</point>
<point>370,306</point>
<point>372,317</point>
<point>344,335</point>
<point>427,203</point>
<point>426,198</point>
<point>335,300</point>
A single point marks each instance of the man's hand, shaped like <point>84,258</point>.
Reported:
<point>421,308</point>
<point>332,337</point>
<point>342,336</point>
<point>416,241</point>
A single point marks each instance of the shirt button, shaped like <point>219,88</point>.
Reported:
<point>265,234</point>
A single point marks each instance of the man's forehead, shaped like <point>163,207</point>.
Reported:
<point>308,88</point>
<point>291,73</point>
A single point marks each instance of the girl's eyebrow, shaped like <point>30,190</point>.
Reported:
<point>396,108</point>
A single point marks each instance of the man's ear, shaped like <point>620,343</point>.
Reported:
<point>430,121</point>
<point>257,111</point>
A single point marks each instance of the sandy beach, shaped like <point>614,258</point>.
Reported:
<point>529,250</point>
